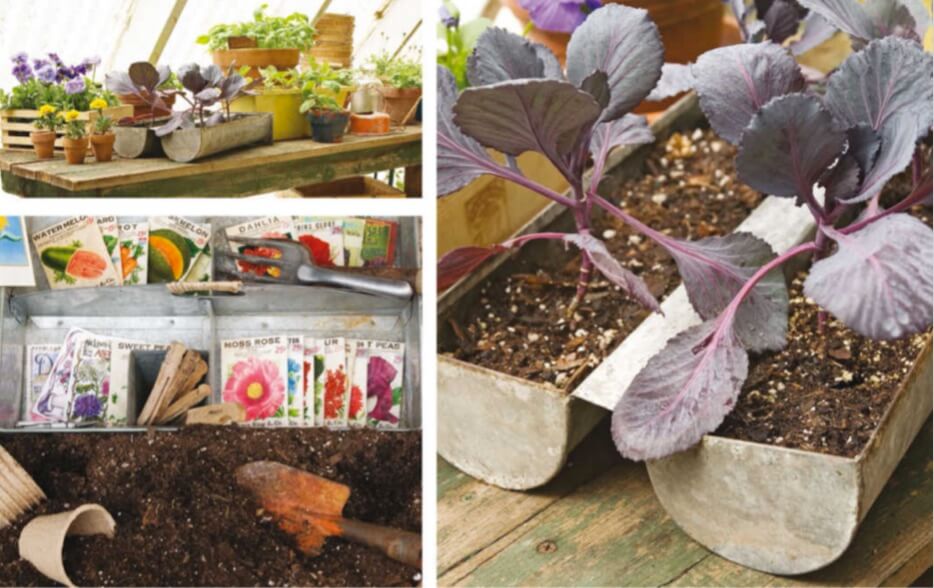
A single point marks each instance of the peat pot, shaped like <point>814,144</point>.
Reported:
<point>516,433</point>
<point>138,140</point>
<point>787,511</point>
<point>187,145</point>
<point>328,126</point>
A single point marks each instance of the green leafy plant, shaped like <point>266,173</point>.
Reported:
<point>321,72</point>
<point>398,72</point>
<point>313,100</point>
<point>270,32</point>
<point>50,119</point>
<point>75,128</point>
<point>459,39</point>
<point>104,123</point>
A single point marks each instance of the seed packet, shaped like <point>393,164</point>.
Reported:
<point>379,243</point>
<point>353,241</point>
<point>255,373</point>
<point>73,254</point>
<point>90,381</point>
<point>39,362</point>
<point>110,232</point>
<point>134,253</point>
<point>314,382</point>
<point>55,398</point>
<point>270,227</point>
<point>121,409</point>
<point>385,365</point>
<point>334,395</point>
<point>324,239</point>
<point>356,369</point>
<point>175,244</point>
<point>296,400</point>
<point>15,260</point>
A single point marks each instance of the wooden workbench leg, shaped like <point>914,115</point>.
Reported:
<point>413,181</point>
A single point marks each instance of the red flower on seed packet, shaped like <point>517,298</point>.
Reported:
<point>320,250</point>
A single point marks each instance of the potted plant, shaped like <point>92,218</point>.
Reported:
<point>76,138</point>
<point>862,310</point>
<point>265,41</point>
<point>280,95</point>
<point>328,120</point>
<point>208,126</point>
<point>150,86</point>
<point>43,138</point>
<point>102,137</point>
<point>402,89</point>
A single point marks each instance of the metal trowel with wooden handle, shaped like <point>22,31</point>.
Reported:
<point>310,507</point>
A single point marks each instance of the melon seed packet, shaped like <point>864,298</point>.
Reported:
<point>296,400</point>
<point>121,409</point>
<point>385,365</point>
<point>314,382</point>
<point>73,254</point>
<point>356,368</point>
<point>110,232</point>
<point>134,253</point>
<point>90,382</point>
<point>334,395</point>
<point>270,227</point>
<point>255,373</point>
<point>175,244</point>
<point>39,362</point>
<point>55,398</point>
<point>353,241</point>
<point>324,239</point>
<point>379,243</point>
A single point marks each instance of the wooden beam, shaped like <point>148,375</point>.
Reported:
<point>377,17</point>
<point>491,9</point>
<point>324,7</point>
<point>407,38</point>
<point>167,30</point>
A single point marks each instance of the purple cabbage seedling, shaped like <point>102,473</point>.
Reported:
<point>521,100</point>
<point>145,82</point>
<point>873,273</point>
<point>206,87</point>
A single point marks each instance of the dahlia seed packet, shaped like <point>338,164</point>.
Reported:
<point>334,398</point>
<point>271,227</point>
<point>90,381</point>
<point>134,253</point>
<point>379,243</point>
<point>110,232</point>
<point>176,245</point>
<point>385,365</point>
<point>39,362</point>
<point>353,241</point>
<point>296,400</point>
<point>55,397</point>
<point>356,369</point>
<point>121,409</point>
<point>73,254</point>
<point>255,373</point>
<point>324,239</point>
<point>314,382</point>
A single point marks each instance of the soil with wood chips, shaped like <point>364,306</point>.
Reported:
<point>183,521</point>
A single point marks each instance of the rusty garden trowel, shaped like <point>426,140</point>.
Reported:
<point>309,508</point>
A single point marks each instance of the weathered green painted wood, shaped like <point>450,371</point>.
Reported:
<point>239,182</point>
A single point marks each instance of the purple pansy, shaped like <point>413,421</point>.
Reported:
<point>47,74</point>
<point>74,86</point>
<point>39,63</point>
<point>20,57</point>
<point>561,16</point>
<point>87,406</point>
<point>22,72</point>
<point>448,19</point>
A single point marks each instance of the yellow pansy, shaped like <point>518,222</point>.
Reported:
<point>46,109</point>
<point>98,104</point>
<point>72,115</point>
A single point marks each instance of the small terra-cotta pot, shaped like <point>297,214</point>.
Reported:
<point>328,126</point>
<point>44,143</point>
<point>398,102</point>
<point>103,146</point>
<point>75,149</point>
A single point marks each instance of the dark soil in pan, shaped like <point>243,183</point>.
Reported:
<point>183,521</point>
<point>520,326</point>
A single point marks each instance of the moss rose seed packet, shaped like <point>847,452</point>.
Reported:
<point>334,395</point>
<point>255,374</point>
<point>73,254</point>
<point>324,239</point>
<point>134,253</point>
<point>110,232</point>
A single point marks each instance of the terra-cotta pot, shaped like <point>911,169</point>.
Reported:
<point>256,59</point>
<point>399,102</point>
<point>103,146</point>
<point>75,149</point>
<point>328,126</point>
<point>44,143</point>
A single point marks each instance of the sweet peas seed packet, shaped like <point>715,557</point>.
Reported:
<point>296,395</point>
<point>379,242</point>
<point>110,232</point>
<point>176,245</point>
<point>334,397</point>
<point>40,360</point>
<point>73,254</point>
<point>314,382</point>
<point>121,409</point>
<point>324,239</point>
<point>134,253</point>
<point>356,368</point>
<point>255,374</point>
<point>353,241</point>
<point>55,398</point>
<point>270,227</point>
<point>385,364</point>
<point>90,381</point>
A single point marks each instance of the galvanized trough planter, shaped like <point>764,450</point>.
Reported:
<point>187,145</point>
<point>138,140</point>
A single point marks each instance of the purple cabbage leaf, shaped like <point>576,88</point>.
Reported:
<point>676,79</point>
<point>501,56</point>
<point>874,19</point>
<point>603,260</point>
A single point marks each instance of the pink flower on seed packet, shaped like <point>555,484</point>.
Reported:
<point>257,385</point>
<point>380,375</point>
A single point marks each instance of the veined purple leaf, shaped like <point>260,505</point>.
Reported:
<point>817,29</point>
<point>547,116</point>
<point>851,17</point>
<point>459,262</point>
<point>596,85</point>
<point>734,82</point>
<point>500,56</point>
<point>781,20</point>
<point>714,270</point>
<point>682,393</point>
<point>460,158</point>
<point>788,145</point>
<point>631,129</point>
<point>842,180</point>
<point>880,282</point>
<point>604,261</point>
<point>863,145</point>
<point>676,78</point>
<point>624,43</point>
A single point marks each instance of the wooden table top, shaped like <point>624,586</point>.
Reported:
<point>39,177</point>
<point>599,523</point>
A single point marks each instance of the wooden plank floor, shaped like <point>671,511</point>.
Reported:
<point>599,524</point>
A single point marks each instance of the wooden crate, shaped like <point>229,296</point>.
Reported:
<point>15,125</point>
<point>333,40</point>
<point>355,187</point>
